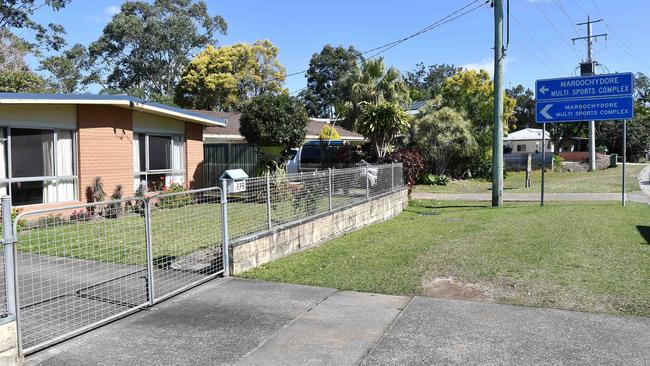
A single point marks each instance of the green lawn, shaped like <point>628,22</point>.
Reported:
<point>175,231</point>
<point>601,181</point>
<point>578,256</point>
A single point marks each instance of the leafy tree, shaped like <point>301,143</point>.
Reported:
<point>69,71</point>
<point>560,132</point>
<point>381,122</point>
<point>12,53</point>
<point>23,81</point>
<point>274,123</point>
<point>473,93</point>
<point>524,112</point>
<point>372,83</point>
<point>443,135</point>
<point>425,82</point>
<point>224,78</point>
<point>642,89</point>
<point>148,45</point>
<point>326,86</point>
<point>18,15</point>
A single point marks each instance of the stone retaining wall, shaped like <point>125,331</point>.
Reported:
<point>253,251</point>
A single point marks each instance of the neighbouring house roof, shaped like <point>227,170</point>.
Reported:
<point>123,101</point>
<point>231,130</point>
<point>526,134</point>
<point>415,106</point>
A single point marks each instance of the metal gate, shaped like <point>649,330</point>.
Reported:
<point>78,267</point>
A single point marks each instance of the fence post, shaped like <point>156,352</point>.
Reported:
<point>9,239</point>
<point>367,178</point>
<point>329,184</point>
<point>224,226</point>
<point>392,176</point>
<point>268,199</point>
<point>147,229</point>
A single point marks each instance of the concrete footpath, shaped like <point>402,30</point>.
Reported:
<point>640,196</point>
<point>244,322</point>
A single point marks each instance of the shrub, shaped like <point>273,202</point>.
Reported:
<point>413,163</point>
<point>314,188</point>
<point>21,223</point>
<point>274,121</point>
<point>329,132</point>
<point>432,179</point>
<point>177,200</point>
<point>557,163</point>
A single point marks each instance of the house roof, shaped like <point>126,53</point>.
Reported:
<point>231,130</point>
<point>123,101</point>
<point>526,134</point>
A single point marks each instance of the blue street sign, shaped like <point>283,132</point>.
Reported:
<point>585,87</point>
<point>580,110</point>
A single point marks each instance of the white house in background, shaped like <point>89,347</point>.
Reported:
<point>528,140</point>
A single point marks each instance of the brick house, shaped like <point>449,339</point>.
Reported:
<point>53,146</point>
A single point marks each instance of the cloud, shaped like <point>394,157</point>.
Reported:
<point>486,64</point>
<point>111,10</point>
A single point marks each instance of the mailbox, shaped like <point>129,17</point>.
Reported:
<point>235,180</point>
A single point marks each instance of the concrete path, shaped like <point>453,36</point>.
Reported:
<point>242,322</point>
<point>640,196</point>
<point>520,197</point>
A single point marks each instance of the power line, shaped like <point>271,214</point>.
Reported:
<point>568,17</point>
<point>580,7</point>
<point>523,45</point>
<point>629,50</point>
<point>437,23</point>
<point>537,43</point>
<point>440,22</point>
<point>531,53</point>
<point>596,6</point>
<point>556,30</point>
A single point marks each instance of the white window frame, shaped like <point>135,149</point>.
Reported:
<point>146,172</point>
<point>56,178</point>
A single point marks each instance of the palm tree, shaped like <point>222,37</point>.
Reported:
<point>375,106</point>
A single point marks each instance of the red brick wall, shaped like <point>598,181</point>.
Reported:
<point>194,154</point>
<point>575,155</point>
<point>105,148</point>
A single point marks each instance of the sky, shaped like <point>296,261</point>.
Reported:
<point>540,32</point>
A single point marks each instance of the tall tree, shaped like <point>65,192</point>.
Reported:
<point>473,93</point>
<point>224,78</point>
<point>524,112</point>
<point>425,82</point>
<point>17,15</point>
<point>326,87</point>
<point>147,46</point>
<point>71,71</point>
<point>21,81</point>
<point>373,83</point>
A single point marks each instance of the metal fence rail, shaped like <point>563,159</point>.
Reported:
<point>78,267</point>
<point>282,198</point>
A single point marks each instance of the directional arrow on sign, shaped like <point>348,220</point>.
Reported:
<point>544,111</point>
<point>543,89</point>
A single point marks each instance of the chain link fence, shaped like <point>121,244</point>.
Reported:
<point>78,267</point>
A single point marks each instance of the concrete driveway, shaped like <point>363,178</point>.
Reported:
<point>243,322</point>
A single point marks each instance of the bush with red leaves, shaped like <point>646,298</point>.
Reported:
<point>412,161</point>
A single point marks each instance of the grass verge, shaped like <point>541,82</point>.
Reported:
<point>601,181</point>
